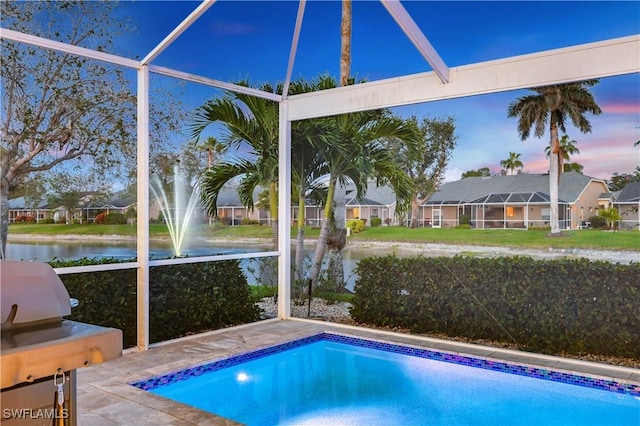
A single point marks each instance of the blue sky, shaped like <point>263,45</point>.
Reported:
<point>251,40</point>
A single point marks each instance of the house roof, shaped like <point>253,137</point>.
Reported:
<point>228,197</point>
<point>515,188</point>
<point>513,198</point>
<point>118,201</point>
<point>374,195</point>
<point>20,204</point>
<point>364,202</point>
<point>630,193</point>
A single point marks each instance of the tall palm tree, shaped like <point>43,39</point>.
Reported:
<point>512,163</point>
<point>567,149</point>
<point>553,105</point>
<point>353,154</point>
<point>251,122</point>
<point>345,43</point>
<point>338,234</point>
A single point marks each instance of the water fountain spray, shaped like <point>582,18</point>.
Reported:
<point>178,216</point>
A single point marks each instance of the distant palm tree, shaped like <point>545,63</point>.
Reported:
<point>553,105</point>
<point>567,149</point>
<point>512,163</point>
<point>213,148</point>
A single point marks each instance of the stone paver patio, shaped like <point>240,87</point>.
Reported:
<point>105,396</point>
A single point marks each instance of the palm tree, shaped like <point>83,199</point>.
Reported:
<point>567,149</point>
<point>345,43</point>
<point>353,153</point>
<point>213,148</point>
<point>252,122</point>
<point>512,163</point>
<point>338,234</point>
<point>553,105</point>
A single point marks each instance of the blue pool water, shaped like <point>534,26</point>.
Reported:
<point>341,380</point>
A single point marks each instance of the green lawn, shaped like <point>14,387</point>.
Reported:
<point>586,238</point>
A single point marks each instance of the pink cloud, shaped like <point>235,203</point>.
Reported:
<point>539,164</point>
<point>621,108</point>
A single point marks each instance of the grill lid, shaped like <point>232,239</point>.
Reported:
<point>34,289</point>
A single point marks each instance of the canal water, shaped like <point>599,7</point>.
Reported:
<point>44,251</point>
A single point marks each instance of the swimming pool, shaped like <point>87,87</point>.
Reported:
<point>331,378</point>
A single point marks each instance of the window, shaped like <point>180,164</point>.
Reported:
<point>510,211</point>
<point>545,213</point>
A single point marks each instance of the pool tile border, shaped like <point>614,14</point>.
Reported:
<point>499,366</point>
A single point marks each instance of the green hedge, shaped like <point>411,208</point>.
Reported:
<point>183,299</point>
<point>356,225</point>
<point>549,306</point>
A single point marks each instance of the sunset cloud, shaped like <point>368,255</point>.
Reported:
<point>622,108</point>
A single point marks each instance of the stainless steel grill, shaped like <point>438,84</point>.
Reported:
<point>39,346</point>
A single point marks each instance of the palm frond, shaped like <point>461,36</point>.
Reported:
<point>214,178</point>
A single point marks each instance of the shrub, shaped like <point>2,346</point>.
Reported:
<point>101,218</point>
<point>550,306</point>
<point>376,221</point>
<point>598,222</point>
<point>184,299</point>
<point>463,226</point>
<point>115,219</point>
<point>248,221</point>
<point>25,219</point>
<point>539,228</point>
<point>465,219</point>
<point>47,221</point>
<point>355,225</point>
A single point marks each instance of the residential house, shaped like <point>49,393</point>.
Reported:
<point>514,201</point>
<point>231,210</point>
<point>20,210</point>
<point>118,203</point>
<point>628,204</point>
<point>90,205</point>
<point>378,201</point>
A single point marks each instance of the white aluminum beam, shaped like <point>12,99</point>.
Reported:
<point>417,37</point>
<point>142,231</point>
<point>593,60</point>
<point>284,212</point>
<point>213,83</point>
<point>182,27</point>
<point>294,47</point>
<point>67,48</point>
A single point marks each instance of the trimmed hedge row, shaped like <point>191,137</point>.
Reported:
<point>550,306</point>
<point>183,299</point>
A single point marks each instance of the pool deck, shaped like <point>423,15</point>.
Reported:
<point>105,396</point>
